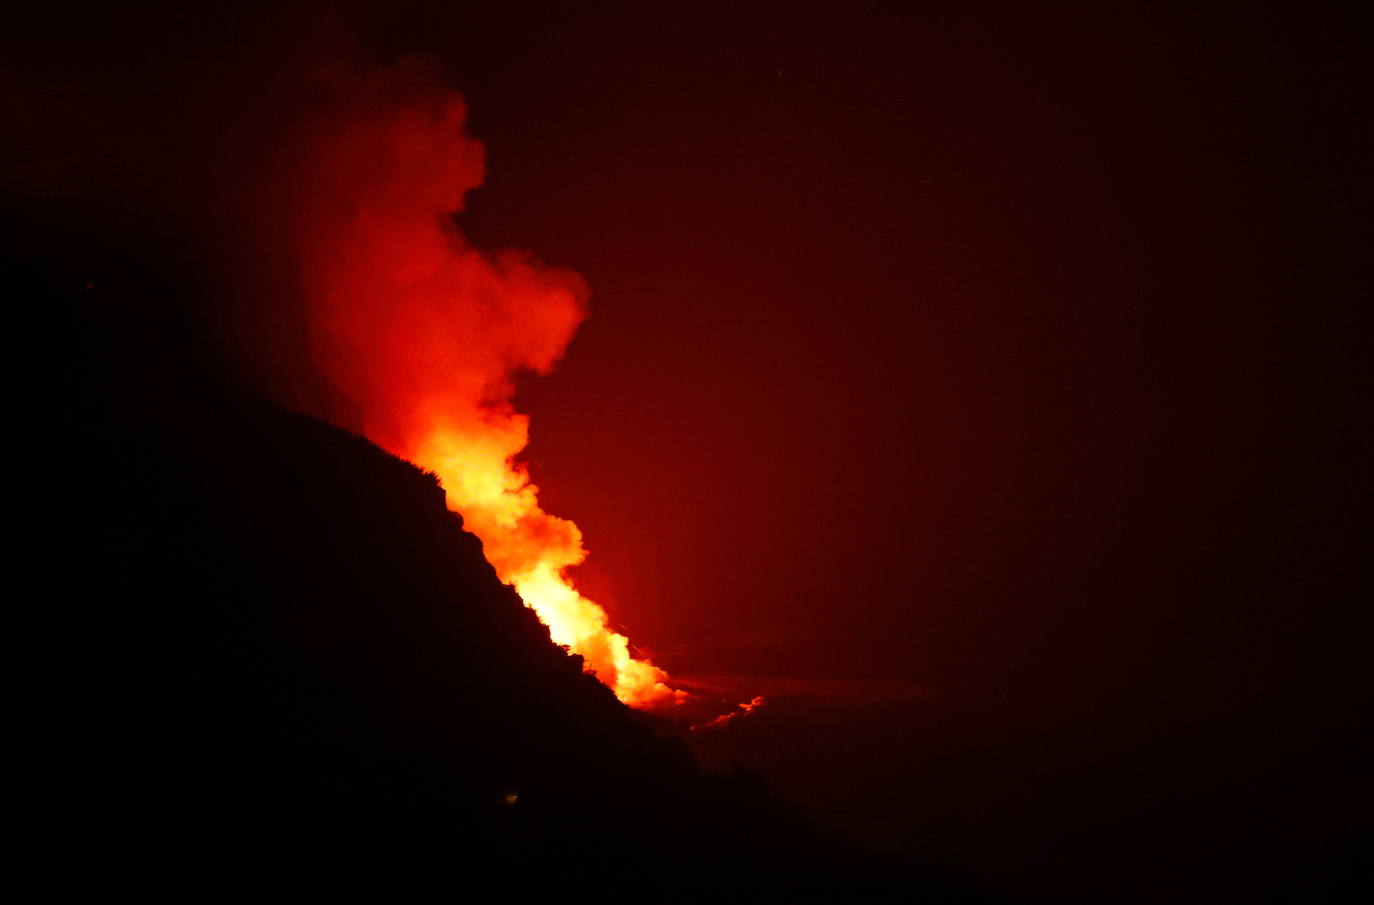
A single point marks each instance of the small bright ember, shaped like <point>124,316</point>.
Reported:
<point>425,333</point>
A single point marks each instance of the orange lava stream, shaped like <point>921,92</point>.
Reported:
<point>744,709</point>
<point>530,549</point>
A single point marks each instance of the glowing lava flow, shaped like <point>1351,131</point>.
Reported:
<point>530,550</point>
<point>725,718</point>
<point>425,333</point>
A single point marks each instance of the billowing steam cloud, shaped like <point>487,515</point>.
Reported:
<point>425,333</point>
<point>298,183</point>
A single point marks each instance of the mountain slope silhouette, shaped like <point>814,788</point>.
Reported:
<point>271,659</point>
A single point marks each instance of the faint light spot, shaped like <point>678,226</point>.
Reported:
<point>511,798</point>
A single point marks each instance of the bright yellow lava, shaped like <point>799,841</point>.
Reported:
<point>531,550</point>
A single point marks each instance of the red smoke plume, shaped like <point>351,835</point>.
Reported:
<point>724,719</point>
<point>426,333</point>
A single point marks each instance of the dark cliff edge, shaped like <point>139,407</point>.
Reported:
<point>267,659</point>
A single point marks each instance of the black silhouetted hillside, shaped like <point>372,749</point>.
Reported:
<point>271,661</point>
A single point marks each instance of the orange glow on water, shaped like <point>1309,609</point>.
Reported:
<point>426,334</point>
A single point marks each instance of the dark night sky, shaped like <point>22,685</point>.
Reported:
<point>1018,355</point>
<point>931,344</point>
<point>1015,356</point>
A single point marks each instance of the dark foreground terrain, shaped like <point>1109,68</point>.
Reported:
<point>267,659</point>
